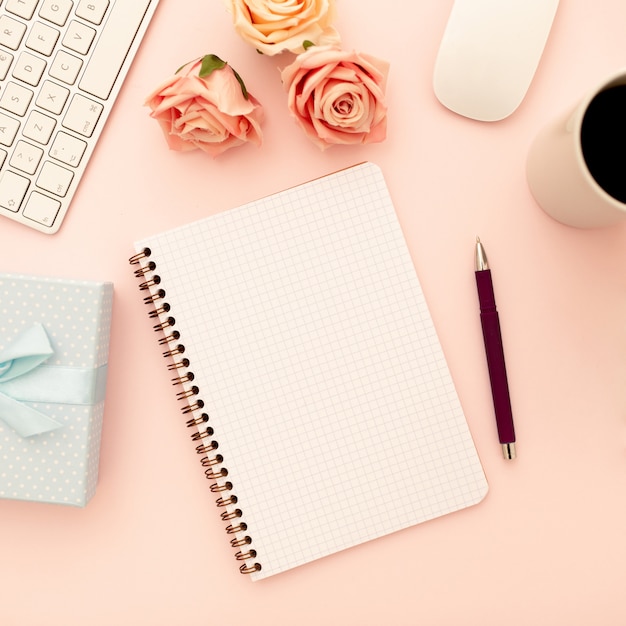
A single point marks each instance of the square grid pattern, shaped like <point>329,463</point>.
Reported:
<point>319,365</point>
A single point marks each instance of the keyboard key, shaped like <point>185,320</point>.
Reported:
<point>41,209</point>
<point>29,68</point>
<point>54,178</point>
<point>12,190</point>
<point>92,10</point>
<point>68,149</point>
<point>26,157</point>
<point>39,127</point>
<point>42,38</point>
<point>3,156</point>
<point>8,129</point>
<point>112,47</point>
<point>82,115</point>
<point>78,37</point>
<point>65,67</point>
<point>15,98</point>
<point>11,32</point>
<point>6,58</point>
<point>22,8</point>
<point>52,97</point>
<point>56,11</point>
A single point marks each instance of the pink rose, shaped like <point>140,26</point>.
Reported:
<point>205,105</point>
<point>273,26</point>
<point>338,97</point>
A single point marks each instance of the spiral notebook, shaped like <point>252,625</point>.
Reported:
<point>309,371</point>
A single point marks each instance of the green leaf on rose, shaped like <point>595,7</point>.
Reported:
<point>244,91</point>
<point>210,63</point>
<point>181,67</point>
<point>306,44</point>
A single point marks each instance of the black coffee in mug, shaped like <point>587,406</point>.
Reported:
<point>603,140</point>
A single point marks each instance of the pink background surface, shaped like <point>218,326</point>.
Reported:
<point>547,545</point>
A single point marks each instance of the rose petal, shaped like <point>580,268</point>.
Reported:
<point>337,96</point>
<point>209,113</point>
<point>273,27</point>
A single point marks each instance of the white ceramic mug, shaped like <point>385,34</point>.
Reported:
<point>559,174</point>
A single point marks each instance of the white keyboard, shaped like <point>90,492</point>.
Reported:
<point>62,63</point>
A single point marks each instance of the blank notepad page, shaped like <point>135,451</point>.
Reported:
<point>319,367</point>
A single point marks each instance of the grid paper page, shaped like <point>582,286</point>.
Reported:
<point>316,357</point>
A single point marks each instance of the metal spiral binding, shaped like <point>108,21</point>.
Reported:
<point>216,487</point>
<point>201,435</point>
<point>212,462</point>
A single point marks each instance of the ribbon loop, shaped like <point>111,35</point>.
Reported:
<point>27,352</point>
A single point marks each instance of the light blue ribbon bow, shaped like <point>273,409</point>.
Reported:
<point>24,378</point>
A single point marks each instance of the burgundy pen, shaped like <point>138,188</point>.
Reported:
<point>495,353</point>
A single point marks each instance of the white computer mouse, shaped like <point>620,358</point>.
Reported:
<point>489,53</point>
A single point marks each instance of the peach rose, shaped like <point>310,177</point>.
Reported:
<point>205,105</point>
<point>338,97</point>
<point>273,26</point>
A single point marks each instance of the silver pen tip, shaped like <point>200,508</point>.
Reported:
<point>480,260</point>
<point>508,450</point>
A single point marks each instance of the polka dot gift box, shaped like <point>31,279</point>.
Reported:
<point>54,343</point>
